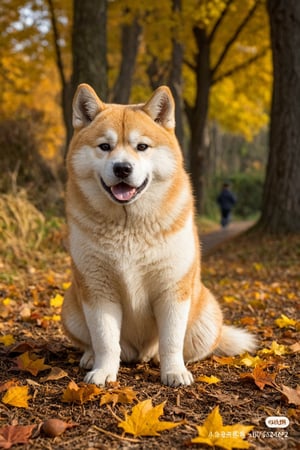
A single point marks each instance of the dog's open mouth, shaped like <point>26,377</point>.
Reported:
<point>123,192</point>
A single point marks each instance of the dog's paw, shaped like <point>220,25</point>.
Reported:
<point>87,360</point>
<point>100,377</point>
<point>180,378</point>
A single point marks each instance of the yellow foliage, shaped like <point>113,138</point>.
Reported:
<point>17,396</point>
<point>214,433</point>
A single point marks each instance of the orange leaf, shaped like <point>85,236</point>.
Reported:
<point>56,373</point>
<point>17,396</point>
<point>292,395</point>
<point>15,434</point>
<point>34,366</point>
<point>260,377</point>
<point>118,395</point>
<point>80,394</point>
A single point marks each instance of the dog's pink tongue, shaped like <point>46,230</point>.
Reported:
<point>123,191</point>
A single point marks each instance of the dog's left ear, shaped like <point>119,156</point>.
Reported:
<point>161,107</point>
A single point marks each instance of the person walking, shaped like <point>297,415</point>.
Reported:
<point>226,200</point>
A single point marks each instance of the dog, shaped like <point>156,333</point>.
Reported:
<point>136,291</point>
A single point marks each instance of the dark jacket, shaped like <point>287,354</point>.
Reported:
<point>226,199</point>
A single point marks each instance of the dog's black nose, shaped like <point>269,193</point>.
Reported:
<point>122,169</point>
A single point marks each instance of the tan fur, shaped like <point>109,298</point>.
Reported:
<point>136,292</point>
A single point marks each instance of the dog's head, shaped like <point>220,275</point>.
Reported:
<point>123,150</point>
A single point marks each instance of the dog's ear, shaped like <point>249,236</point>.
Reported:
<point>86,105</point>
<point>161,107</point>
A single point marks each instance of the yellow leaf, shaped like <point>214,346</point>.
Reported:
<point>275,349</point>
<point>209,380</point>
<point>143,420</point>
<point>28,364</point>
<point>7,340</point>
<point>80,394</point>
<point>284,322</point>
<point>117,395</point>
<point>56,301</point>
<point>6,301</point>
<point>17,396</point>
<point>214,433</point>
<point>66,285</point>
<point>250,361</point>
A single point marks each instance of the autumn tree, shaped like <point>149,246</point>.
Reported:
<point>281,200</point>
<point>210,66</point>
<point>88,50</point>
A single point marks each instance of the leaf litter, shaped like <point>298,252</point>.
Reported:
<point>256,280</point>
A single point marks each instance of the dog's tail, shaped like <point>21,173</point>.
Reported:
<point>235,341</point>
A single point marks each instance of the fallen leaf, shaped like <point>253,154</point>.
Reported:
<point>117,395</point>
<point>275,349</point>
<point>7,340</point>
<point>292,395</point>
<point>17,396</point>
<point>295,347</point>
<point>7,385</point>
<point>250,361</point>
<point>285,322</point>
<point>26,363</point>
<point>143,420</point>
<point>214,433</point>
<point>56,373</point>
<point>260,377</point>
<point>209,380</point>
<point>57,301</point>
<point>80,394</point>
<point>15,434</point>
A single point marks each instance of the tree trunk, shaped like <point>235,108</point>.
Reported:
<point>130,44</point>
<point>281,200</point>
<point>175,80</point>
<point>88,51</point>
<point>197,116</point>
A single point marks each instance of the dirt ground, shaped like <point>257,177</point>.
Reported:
<point>256,279</point>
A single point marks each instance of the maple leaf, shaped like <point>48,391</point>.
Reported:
<point>117,395</point>
<point>80,394</point>
<point>7,340</point>
<point>292,395</point>
<point>143,420</point>
<point>209,380</point>
<point>27,364</point>
<point>17,396</point>
<point>275,349</point>
<point>260,377</point>
<point>284,322</point>
<point>250,361</point>
<point>56,373</point>
<point>15,434</point>
<point>214,433</point>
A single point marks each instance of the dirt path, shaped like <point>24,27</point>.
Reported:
<point>212,240</point>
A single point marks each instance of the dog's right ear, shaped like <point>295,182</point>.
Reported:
<point>86,106</point>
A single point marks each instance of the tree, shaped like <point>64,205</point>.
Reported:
<point>208,72</point>
<point>281,199</point>
<point>89,64</point>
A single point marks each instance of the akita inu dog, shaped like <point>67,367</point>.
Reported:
<point>136,292</point>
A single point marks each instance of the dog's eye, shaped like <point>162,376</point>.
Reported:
<point>142,147</point>
<point>105,147</point>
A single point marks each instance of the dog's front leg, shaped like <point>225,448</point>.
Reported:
<point>172,317</point>
<point>104,322</point>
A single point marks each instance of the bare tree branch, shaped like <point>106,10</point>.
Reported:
<point>219,21</point>
<point>59,60</point>
<point>234,37</point>
<point>239,67</point>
